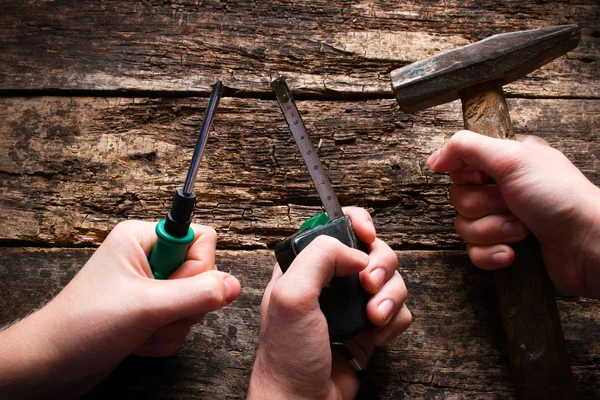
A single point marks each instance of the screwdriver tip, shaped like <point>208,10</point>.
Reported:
<point>218,88</point>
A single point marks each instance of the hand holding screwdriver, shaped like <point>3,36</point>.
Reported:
<point>174,232</point>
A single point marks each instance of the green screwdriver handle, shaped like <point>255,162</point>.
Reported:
<point>169,251</point>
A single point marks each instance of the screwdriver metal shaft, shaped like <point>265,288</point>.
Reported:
<point>209,118</point>
<point>174,233</point>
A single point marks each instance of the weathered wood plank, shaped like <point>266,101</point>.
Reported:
<point>71,168</point>
<point>346,48</point>
<point>452,350</point>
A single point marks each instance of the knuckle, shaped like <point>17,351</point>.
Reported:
<point>512,161</point>
<point>324,243</point>
<point>535,140</point>
<point>126,226</point>
<point>461,135</point>
<point>287,301</point>
<point>393,261</point>
<point>402,293</point>
<point>324,248</point>
<point>467,204</point>
<point>459,223</point>
<point>387,260</point>
<point>209,232</point>
<point>408,318</point>
<point>214,292</point>
<point>400,290</point>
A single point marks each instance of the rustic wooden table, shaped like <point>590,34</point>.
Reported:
<point>102,102</point>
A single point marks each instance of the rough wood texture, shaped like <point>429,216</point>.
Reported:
<point>342,48</point>
<point>72,167</point>
<point>452,350</point>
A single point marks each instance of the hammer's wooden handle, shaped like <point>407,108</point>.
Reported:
<point>535,343</point>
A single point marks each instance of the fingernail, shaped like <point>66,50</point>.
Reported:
<point>500,257</point>
<point>384,336</point>
<point>497,203</point>
<point>513,228</point>
<point>377,277</point>
<point>385,308</point>
<point>364,257</point>
<point>231,288</point>
<point>433,158</point>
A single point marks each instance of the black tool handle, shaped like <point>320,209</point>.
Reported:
<point>343,301</point>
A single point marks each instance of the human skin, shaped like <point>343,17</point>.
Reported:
<point>294,359</point>
<point>538,190</point>
<point>112,308</point>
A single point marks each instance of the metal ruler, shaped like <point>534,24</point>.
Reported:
<point>309,155</point>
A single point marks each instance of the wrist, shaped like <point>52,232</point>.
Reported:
<point>25,352</point>
<point>266,384</point>
<point>41,347</point>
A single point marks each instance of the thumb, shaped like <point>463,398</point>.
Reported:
<point>174,299</point>
<point>498,158</point>
<point>314,267</point>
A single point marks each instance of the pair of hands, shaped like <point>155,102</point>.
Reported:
<point>113,308</point>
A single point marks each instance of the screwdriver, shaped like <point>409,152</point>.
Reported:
<point>174,232</point>
<point>344,300</point>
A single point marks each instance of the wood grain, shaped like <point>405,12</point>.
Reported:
<point>74,167</point>
<point>119,90</point>
<point>453,349</point>
<point>336,50</point>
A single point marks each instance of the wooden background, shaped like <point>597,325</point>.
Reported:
<point>102,101</point>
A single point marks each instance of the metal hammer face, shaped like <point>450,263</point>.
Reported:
<point>499,59</point>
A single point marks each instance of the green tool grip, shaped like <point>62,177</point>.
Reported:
<point>169,251</point>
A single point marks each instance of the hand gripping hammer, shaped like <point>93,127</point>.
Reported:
<point>475,73</point>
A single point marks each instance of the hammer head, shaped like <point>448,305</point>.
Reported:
<point>499,59</point>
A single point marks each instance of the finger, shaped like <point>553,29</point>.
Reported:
<point>469,176</point>
<point>165,341</point>
<point>199,294</point>
<point>384,306</point>
<point>472,201</point>
<point>383,262</point>
<point>491,257</point>
<point>495,157</point>
<point>142,234</point>
<point>193,320</point>
<point>362,223</point>
<point>385,334</point>
<point>264,304</point>
<point>531,140</point>
<point>344,376</point>
<point>299,288</point>
<point>361,346</point>
<point>491,229</point>
<point>342,372</point>
<point>200,256</point>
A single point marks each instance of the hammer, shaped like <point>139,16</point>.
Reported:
<point>535,343</point>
